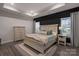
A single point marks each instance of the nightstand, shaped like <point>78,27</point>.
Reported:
<point>62,39</point>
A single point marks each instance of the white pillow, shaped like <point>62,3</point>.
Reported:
<point>54,33</point>
<point>43,32</point>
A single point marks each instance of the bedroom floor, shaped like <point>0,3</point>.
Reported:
<point>9,50</point>
<point>66,51</point>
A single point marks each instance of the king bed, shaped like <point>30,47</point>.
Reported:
<point>41,42</point>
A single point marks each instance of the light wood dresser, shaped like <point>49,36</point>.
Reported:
<point>19,32</point>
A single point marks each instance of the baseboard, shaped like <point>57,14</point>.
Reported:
<point>4,42</point>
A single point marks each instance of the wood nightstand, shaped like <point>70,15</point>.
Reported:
<point>62,39</point>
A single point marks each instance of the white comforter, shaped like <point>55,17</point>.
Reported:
<point>40,37</point>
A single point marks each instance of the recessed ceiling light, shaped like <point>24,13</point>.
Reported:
<point>12,3</point>
<point>31,13</point>
<point>58,6</point>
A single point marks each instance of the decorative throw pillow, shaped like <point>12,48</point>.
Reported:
<point>49,32</point>
<point>43,32</point>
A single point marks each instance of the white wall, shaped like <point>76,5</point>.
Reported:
<point>6,27</point>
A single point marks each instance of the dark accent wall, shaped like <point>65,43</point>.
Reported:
<point>55,18</point>
<point>50,21</point>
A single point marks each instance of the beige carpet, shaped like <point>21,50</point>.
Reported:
<point>27,51</point>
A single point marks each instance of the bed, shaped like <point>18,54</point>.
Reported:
<point>40,42</point>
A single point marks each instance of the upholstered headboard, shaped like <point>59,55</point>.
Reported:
<point>54,28</point>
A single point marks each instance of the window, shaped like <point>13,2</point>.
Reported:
<point>37,27</point>
<point>65,26</point>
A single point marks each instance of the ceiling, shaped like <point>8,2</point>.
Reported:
<point>32,6</point>
<point>39,9</point>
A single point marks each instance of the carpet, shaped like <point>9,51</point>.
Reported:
<point>28,51</point>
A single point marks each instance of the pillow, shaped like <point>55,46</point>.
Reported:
<point>43,32</point>
<point>49,32</point>
<point>54,33</point>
